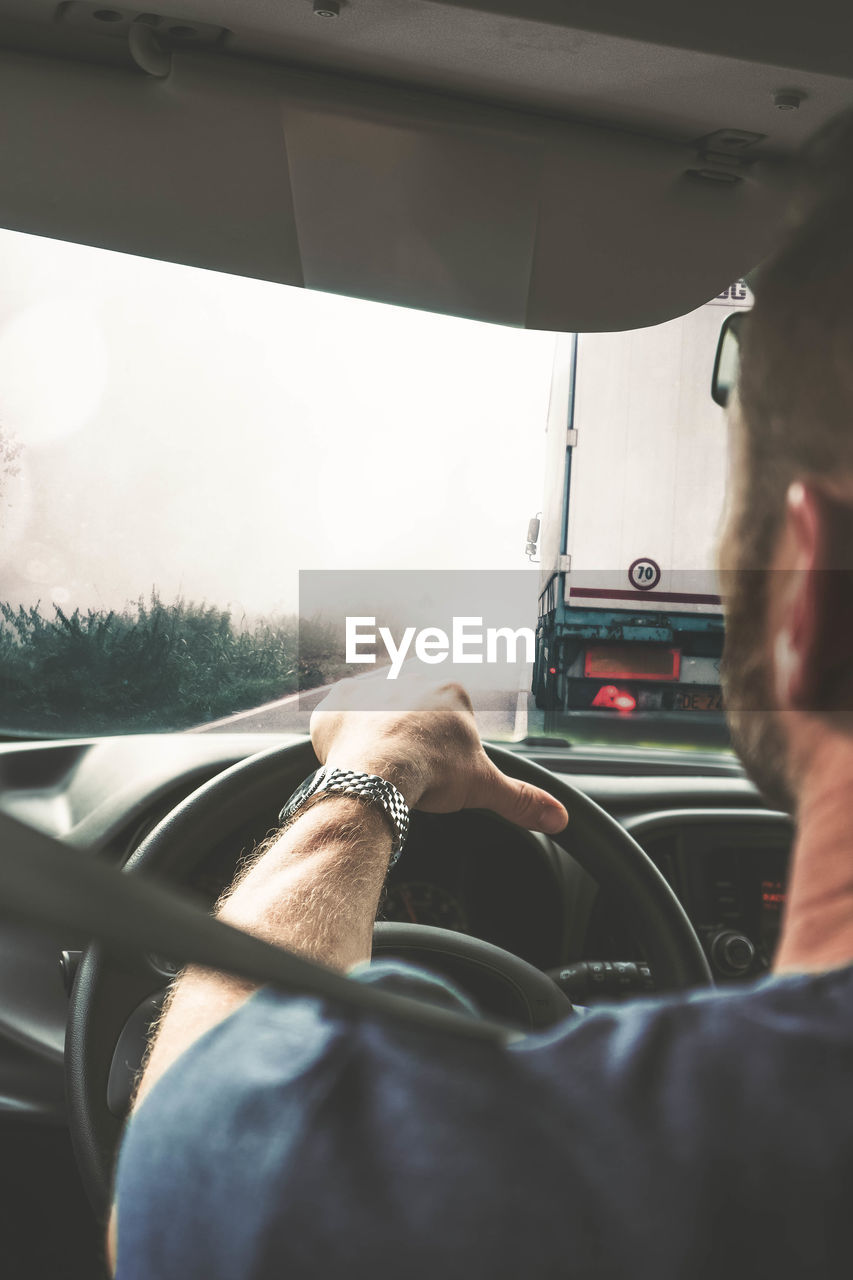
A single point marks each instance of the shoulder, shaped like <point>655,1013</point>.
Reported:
<point>412,1140</point>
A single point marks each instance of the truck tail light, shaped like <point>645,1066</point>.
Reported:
<point>632,662</point>
<point>612,699</point>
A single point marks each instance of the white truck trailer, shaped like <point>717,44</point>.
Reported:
<point>630,621</point>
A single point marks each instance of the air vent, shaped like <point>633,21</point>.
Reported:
<point>110,20</point>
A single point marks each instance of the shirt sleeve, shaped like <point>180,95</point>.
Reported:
<point>410,980</point>
<point>666,1138</point>
<point>291,1054</point>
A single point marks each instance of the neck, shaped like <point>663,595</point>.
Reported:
<point>817,933</point>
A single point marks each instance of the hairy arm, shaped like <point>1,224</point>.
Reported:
<point>314,889</point>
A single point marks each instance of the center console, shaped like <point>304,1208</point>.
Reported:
<point>729,868</point>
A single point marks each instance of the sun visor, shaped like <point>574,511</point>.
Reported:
<point>376,192</point>
<point>417,207</point>
<point>189,169</point>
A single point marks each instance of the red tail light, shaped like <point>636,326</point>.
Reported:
<point>612,699</point>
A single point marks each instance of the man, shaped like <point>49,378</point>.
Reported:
<point>702,1135</point>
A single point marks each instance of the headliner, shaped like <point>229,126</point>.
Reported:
<point>523,161</point>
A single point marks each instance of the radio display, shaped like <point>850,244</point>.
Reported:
<point>744,892</point>
<point>773,895</point>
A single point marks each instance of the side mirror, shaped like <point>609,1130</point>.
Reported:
<point>532,538</point>
<point>727,361</point>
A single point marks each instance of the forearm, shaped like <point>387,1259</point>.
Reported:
<point>315,891</point>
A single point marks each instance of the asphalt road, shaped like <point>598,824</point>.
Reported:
<point>500,712</point>
<point>506,713</point>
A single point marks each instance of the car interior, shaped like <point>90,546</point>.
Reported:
<point>544,164</point>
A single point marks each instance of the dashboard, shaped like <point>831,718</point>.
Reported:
<point>728,867</point>
<point>478,874</point>
<point>699,820</point>
<point>730,871</point>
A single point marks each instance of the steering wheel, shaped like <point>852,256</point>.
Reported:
<point>112,1001</point>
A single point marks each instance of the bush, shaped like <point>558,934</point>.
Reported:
<point>151,666</point>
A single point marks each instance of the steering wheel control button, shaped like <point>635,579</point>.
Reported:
<point>607,979</point>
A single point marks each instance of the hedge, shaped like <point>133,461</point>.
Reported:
<point>151,666</point>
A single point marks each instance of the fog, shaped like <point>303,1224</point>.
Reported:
<point>209,436</point>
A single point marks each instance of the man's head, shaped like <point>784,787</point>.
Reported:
<point>787,549</point>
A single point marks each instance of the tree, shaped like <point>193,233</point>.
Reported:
<point>10,452</point>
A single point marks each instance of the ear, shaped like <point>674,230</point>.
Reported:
<point>813,610</point>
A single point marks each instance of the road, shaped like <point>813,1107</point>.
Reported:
<point>506,712</point>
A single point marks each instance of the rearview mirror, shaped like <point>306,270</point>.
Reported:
<point>727,362</point>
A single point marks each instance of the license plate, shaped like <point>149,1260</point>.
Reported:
<point>711,700</point>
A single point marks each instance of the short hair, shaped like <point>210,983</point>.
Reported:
<point>796,378</point>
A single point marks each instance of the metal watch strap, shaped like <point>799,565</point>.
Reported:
<point>370,787</point>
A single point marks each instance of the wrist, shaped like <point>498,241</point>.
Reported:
<point>406,776</point>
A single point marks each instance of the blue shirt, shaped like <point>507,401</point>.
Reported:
<point>708,1135</point>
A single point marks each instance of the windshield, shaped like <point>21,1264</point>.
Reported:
<point>214,491</point>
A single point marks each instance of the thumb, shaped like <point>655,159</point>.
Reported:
<point>521,802</point>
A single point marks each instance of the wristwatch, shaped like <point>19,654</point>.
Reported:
<point>366,786</point>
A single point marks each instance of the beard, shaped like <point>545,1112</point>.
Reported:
<point>746,673</point>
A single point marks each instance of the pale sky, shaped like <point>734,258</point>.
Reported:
<point>210,435</point>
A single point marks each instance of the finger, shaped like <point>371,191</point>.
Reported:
<point>521,802</point>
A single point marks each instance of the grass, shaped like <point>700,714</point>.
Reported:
<point>151,666</point>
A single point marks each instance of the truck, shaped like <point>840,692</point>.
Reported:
<point>630,620</point>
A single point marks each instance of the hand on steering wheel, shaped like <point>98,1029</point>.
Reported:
<point>425,740</point>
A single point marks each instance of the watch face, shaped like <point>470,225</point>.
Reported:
<point>302,793</point>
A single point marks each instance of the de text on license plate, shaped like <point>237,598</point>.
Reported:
<point>704,700</point>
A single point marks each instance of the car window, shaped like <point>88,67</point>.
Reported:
<point>177,444</point>
<point>195,470</point>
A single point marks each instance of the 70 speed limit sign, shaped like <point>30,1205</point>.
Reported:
<point>644,574</point>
